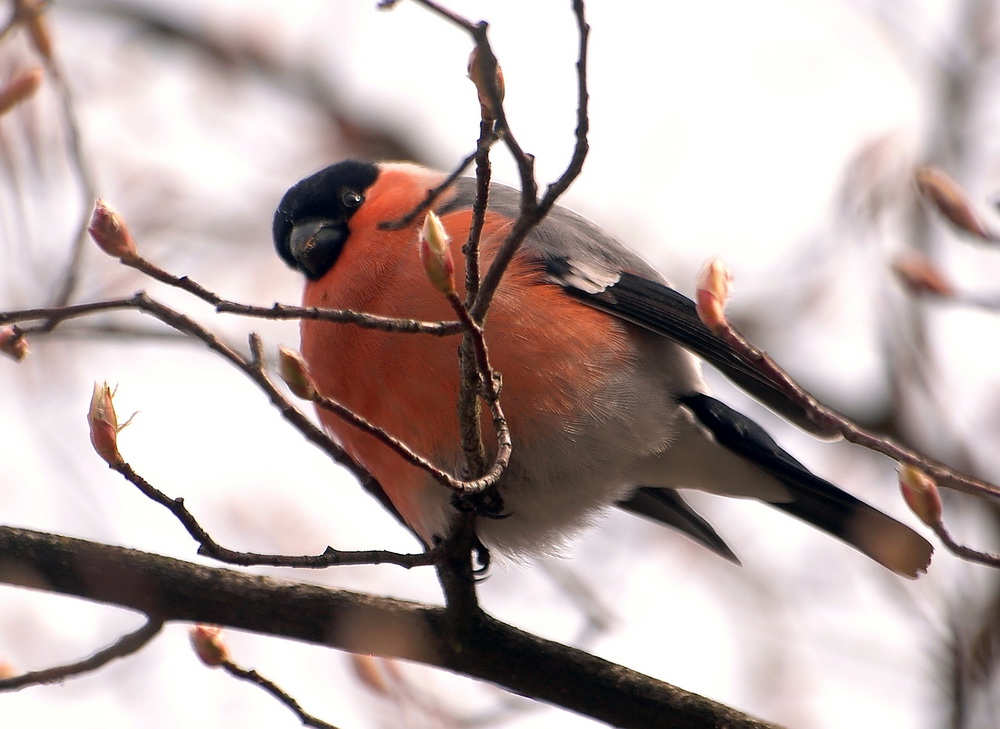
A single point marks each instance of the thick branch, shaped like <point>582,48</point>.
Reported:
<point>169,589</point>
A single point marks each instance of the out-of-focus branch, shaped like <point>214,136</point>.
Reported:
<point>32,16</point>
<point>299,78</point>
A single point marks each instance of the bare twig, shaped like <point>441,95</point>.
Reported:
<point>208,547</point>
<point>533,211</point>
<point>470,426</point>
<point>410,456</point>
<point>343,316</point>
<point>431,197</point>
<point>834,422</point>
<point>491,391</point>
<point>401,449</point>
<point>277,692</point>
<point>454,18</point>
<point>124,646</point>
<point>77,154</point>
<point>968,553</point>
<point>282,311</point>
<point>52,317</point>
<point>211,649</point>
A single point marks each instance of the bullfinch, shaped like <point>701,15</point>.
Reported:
<point>599,359</point>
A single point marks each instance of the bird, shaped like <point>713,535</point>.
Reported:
<point>601,367</point>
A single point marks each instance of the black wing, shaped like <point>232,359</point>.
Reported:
<point>813,499</point>
<point>667,507</point>
<point>597,269</point>
<point>655,306</point>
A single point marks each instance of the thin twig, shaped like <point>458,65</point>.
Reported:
<point>343,316</point>
<point>491,391</point>
<point>181,282</point>
<point>431,197</point>
<point>82,166</point>
<point>484,173</point>
<point>124,646</point>
<point>582,145</point>
<point>967,553</point>
<point>50,316</point>
<point>458,20</point>
<point>282,311</point>
<point>185,325</point>
<point>208,547</point>
<point>413,458</point>
<point>468,405</point>
<point>533,211</point>
<point>834,422</point>
<point>272,688</point>
<point>399,447</point>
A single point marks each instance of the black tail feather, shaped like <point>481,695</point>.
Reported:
<point>812,499</point>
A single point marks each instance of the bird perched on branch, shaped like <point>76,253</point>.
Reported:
<point>599,359</point>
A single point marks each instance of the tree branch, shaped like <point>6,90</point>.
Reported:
<point>173,590</point>
<point>208,547</point>
<point>124,646</point>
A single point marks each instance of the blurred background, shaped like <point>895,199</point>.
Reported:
<point>778,135</point>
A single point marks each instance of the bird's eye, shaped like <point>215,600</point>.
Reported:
<point>351,198</point>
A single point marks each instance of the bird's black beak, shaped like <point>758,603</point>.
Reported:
<point>316,245</point>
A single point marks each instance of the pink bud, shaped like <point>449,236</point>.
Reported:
<point>109,231</point>
<point>104,425</point>
<point>950,200</point>
<point>367,670</point>
<point>479,75</point>
<point>13,342</point>
<point>208,645</point>
<point>20,88</point>
<point>435,254</point>
<point>712,293</point>
<point>295,373</point>
<point>921,494</point>
<point>920,276</point>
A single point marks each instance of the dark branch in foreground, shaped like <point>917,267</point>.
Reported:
<point>172,590</point>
